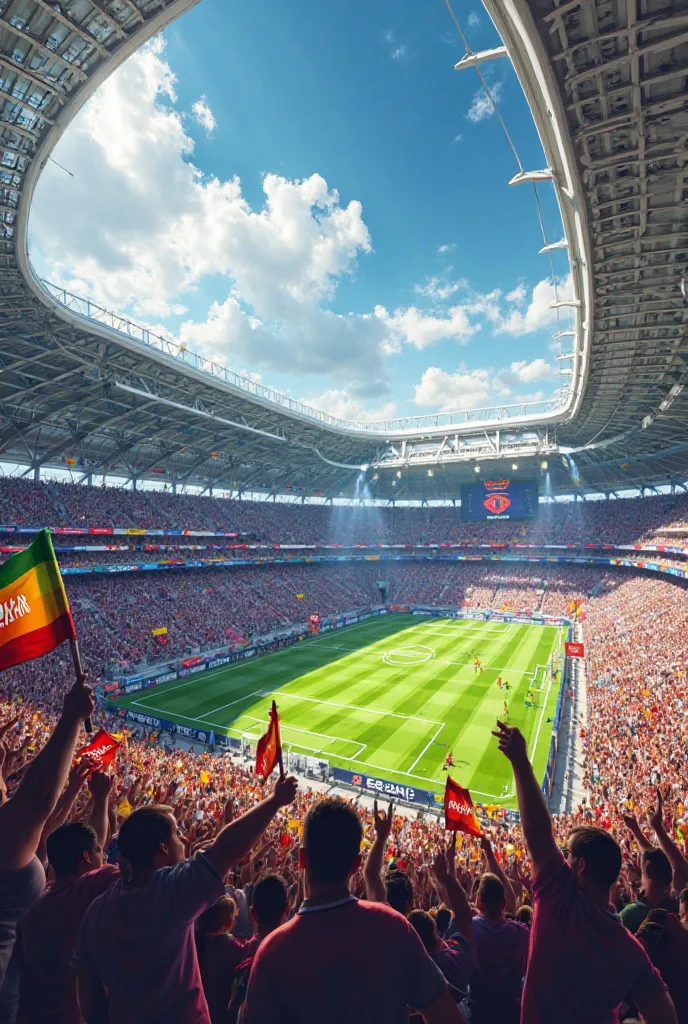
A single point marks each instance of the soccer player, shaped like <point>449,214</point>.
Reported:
<point>500,682</point>
<point>448,762</point>
<point>530,699</point>
<point>507,685</point>
<point>477,667</point>
<point>506,710</point>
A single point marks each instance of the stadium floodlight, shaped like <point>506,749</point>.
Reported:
<point>476,469</point>
<point>430,472</point>
<point>398,473</point>
<point>543,464</point>
<point>514,466</point>
<point>365,466</point>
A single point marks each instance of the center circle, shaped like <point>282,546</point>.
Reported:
<point>408,654</point>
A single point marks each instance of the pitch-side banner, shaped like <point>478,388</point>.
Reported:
<point>574,650</point>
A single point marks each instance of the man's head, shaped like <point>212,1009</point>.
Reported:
<point>595,859</point>
<point>443,920</point>
<point>148,839</point>
<point>490,897</point>
<point>218,919</point>
<point>424,924</point>
<point>73,850</point>
<point>655,871</point>
<point>399,892</point>
<point>269,904</point>
<point>331,842</point>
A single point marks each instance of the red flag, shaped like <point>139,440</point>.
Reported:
<point>100,751</point>
<point>269,748</point>
<point>574,650</point>
<point>459,814</point>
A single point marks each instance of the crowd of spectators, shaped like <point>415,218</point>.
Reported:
<point>179,891</point>
<point>622,521</point>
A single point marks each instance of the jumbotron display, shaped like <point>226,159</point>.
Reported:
<point>499,498</point>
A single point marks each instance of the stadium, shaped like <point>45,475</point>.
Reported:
<point>395,587</point>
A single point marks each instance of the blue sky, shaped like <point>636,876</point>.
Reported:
<point>311,194</point>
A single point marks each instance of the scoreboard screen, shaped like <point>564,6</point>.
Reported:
<point>499,498</point>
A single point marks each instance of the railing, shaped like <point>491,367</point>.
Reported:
<point>168,346</point>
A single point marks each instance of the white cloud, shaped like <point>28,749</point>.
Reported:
<point>414,327</point>
<point>342,404</point>
<point>538,313</point>
<point>482,106</point>
<point>457,138</point>
<point>447,247</point>
<point>517,295</point>
<point>473,19</point>
<point>436,288</point>
<point>397,51</point>
<point>204,115</point>
<point>452,392</point>
<point>524,372</point>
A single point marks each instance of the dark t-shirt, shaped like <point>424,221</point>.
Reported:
<point>633,914</point>
<point>583,962</point>
<point>349,962</point>
<point>46,938</point>
<point>501,955</point>
<point>18,890</point>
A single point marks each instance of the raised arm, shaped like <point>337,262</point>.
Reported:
<point>631,823</point>
<point>444,868</point>
<point>23,816</point>
<point>679,864</point>
<point>100,785</point>
<point>372,872</point>
<point>535,819</point>
<point>496,868</point>
<point>236,839</point>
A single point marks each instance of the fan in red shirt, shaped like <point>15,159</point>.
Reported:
<point>583,962</point>
<point>326,964</point>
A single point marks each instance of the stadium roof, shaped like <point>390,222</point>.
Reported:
<point>607,85</point>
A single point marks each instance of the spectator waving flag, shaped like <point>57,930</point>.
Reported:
<point>269,748</point>
<point>459,813</point>
<point>101,751</point>
<point>34,610</point>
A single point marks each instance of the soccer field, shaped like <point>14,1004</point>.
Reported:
<point>388,697</point>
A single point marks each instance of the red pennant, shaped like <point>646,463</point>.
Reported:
<point>269,747</point>
<point>459,813</point>
<point>100,751</point>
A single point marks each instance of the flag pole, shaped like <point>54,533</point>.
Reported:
<point>279,755</point>
<point>80,674</point>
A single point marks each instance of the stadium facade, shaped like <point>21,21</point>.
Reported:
<point>607,91</point>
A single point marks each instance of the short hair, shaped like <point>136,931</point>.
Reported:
<point>683,898</point>
<point>424,924</point>
<point>524,915</point>
<point>269,900</point>
<point>332,834</point>
<point>399,891</point>
<point>141,834</point>
<point>599,850</point>
<point>219,917</point>
<point>67,845</point>
<point>491,892</point>
<point>657,866</point>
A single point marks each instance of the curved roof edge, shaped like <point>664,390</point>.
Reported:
<point>514,23</point>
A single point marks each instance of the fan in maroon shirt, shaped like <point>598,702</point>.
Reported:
<point>342,959</point>
<point>48,931</point>
<point>583,962</point>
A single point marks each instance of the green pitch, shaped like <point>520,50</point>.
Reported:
<point>388,697</point>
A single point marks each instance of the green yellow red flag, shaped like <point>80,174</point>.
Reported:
<point>34,610</point>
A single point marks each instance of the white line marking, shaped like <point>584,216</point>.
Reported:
<point>380,712</point>
<point>247,696</point>
<point>426,747</point>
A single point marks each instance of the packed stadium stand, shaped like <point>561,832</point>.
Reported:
<point>158,876</point>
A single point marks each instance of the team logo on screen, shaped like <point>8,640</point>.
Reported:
<point>496,485</point>
<point>497,504</point>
